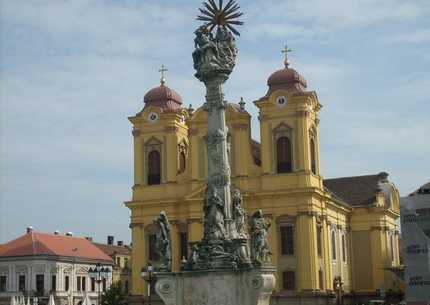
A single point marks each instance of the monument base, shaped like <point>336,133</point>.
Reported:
<point>214,287</point>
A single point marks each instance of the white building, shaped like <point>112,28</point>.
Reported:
<point>416,245</point>
<point>37,264</point>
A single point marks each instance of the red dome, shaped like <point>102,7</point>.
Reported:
<point>287,78</point>
<point>164,97</point>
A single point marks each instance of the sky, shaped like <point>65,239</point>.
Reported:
<point>72,71</point>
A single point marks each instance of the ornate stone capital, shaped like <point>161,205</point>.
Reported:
<point>136,132</point>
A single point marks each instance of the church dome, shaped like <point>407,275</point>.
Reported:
<point>164,97</point>
<point>288,79</point>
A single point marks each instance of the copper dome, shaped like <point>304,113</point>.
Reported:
<point>287,78</point>
<point>164,97</point>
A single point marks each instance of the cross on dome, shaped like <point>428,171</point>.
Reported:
<point>163,71</point>
<point>285,51</point>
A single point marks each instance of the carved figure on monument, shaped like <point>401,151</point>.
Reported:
<point>164,244</point>
<point>239,214</point>
<point>260,253</point>
<point>214,216</point>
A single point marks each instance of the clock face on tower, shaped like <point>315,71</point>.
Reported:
<point>281,101</point>
<point>153,117</point>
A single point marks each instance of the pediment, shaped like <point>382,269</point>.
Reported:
<point>153,141</point>
<point>282,127</point>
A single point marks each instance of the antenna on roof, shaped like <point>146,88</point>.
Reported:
<point>30,229</point>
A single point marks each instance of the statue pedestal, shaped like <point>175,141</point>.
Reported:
<point>217,287</point>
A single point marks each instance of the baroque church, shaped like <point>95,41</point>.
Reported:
<point>330,239</point>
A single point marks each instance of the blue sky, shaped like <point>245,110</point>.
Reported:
<point>71,72</point>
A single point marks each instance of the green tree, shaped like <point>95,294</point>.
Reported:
<point>114,295</point>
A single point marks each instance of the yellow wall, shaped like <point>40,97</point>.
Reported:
<point>297,198</point>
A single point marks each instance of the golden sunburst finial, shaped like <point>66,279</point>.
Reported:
<point>216,15</point>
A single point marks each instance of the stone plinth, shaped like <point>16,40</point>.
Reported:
<point>217,287</point>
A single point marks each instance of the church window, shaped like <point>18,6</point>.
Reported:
<point>319,240</point>
<point>313,159</point>
<point>153,254</point>
<point>184,245</point>
<point>288,280</point>
<point>53,282</point>
<point>284,155</point>
<point>287,240</point>
<point>321,279</point>
<point>40,283</point>
<point>66,283</point>
<point>333,244</point>
<point>3,281</point>
<point>343,249</point>
<point>154,168</point>
<point>21,283</point>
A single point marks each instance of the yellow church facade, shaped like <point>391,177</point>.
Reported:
<point>336,237</point>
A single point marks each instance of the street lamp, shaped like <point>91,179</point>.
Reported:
<point>147,274</point>
<point>99,273</point>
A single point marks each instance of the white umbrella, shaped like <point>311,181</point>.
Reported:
<point>87,300</point>
<point>51,300</point>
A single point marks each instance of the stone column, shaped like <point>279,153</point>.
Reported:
<point>218,165</point>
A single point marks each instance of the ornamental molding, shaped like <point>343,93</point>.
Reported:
<point>171,129</point>
<point>240,126</point>
<point>307,213</point>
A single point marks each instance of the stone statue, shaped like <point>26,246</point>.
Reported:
<point>214,216</point>
<point>213,55</point>
<point>260,253</point>
<point>239,214</point>
<point>164,244</point>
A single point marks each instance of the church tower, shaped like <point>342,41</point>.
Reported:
<point>289,128</point>
<point>161,154</point>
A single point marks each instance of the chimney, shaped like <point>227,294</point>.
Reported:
<point>57,232</point>
<point>69,234</point>
<point>89,238</point>
<point>110,239</point>
<point>30,229</point>
<point>120,243</point>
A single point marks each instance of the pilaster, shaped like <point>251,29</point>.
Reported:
<point>139,258</point>
<point>274,249</point>
<point>171,154</point>
<point>327,255</point>
<point>176,247</point>
<point>307,252</point>
<point>138,160</point>
<point>303,143</point>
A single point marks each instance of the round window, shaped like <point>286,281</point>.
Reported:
<point>281,101</point>
<point>153,117</point>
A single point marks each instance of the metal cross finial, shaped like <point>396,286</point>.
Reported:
<point>286,50</point>
<point>163,71</point>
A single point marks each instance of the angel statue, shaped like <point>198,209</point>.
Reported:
<point>238,214</point>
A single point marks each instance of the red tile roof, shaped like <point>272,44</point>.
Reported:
<point>37,243</point>
<point>111,250</point>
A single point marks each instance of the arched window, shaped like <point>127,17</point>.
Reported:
<point>284,155</point>
<point>154,168</point>
<point>182,161</point>
<point>333,244</point>
<point>313,160</point>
